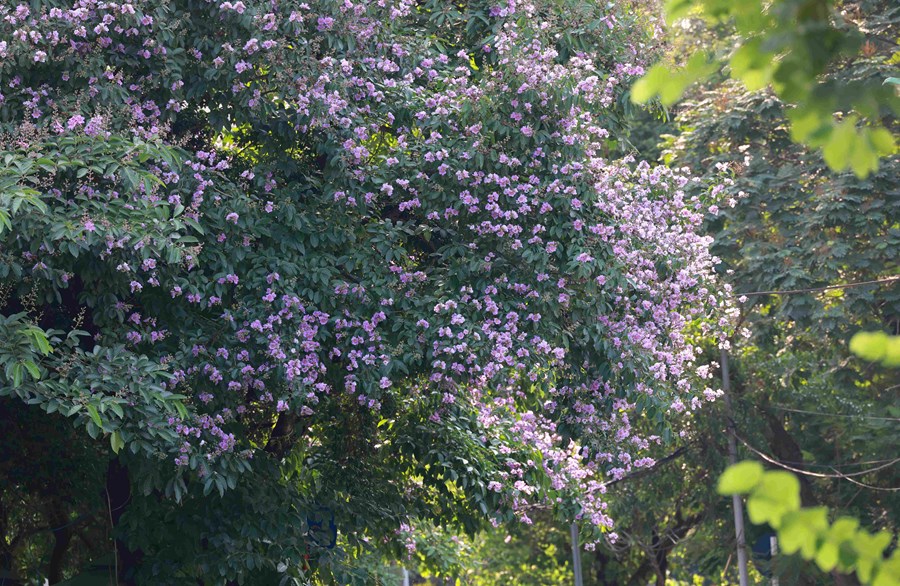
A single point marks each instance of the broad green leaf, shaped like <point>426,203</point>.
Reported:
<point>33,369</point>
<point>678,9</point>
<point>871,346</point>
<point>117,409</point>
<point>18,372</point>
<point>800,531</point>
<point>4,221</point>
<point>883,141</point>
<point>840,144</point>
<point>805,123</point>
<point>95,415</point>
<point>864,159</point>
<point>777,494</point>
<point>888,574</point>
<point>827,556</point>
<point>843,529</point>
<point>872,546</point>
<point>649,85</point>
<point>752,65</point>
<point>740,478</point>
<point>891,357</point>
<point>116,441</point>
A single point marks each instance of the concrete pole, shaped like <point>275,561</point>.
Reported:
<point>773,546</point>
<point>576,555</point>
<point>732,459</point>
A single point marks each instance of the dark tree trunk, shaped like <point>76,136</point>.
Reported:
<point>786,450</point>
<point>62,536</point>
<point>118,491</point>
<point>639,576</point>
<point>284,434</point>
<point>660,558</point>
<point>603,561</point>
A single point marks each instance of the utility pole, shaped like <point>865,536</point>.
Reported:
<point>732,459</point>
<point>773,547</point>
<point>576,555</point>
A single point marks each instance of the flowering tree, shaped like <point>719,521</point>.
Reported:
<point>360,260</point>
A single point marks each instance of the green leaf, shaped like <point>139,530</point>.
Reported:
<point>39,340</point>
<point>117,409</point>
<point>800,531</point>
<point>740,478</point>
<point>806,123</point>
<point>33,369</point>
<point>4,221</point>
<point>883,141</point>
<point>677,9</point>
<point>180,409</point>
<point>752,65</point>
<point>871,346</point>
<point>777,494</point>
<point>18,373</point>
<point>827,556</point>
<point>95,415</point>
<point>649,85</point>
<point>840,144</point>
<point>116,441</point>
<point>843,529</point>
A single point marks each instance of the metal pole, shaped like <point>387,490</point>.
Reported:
<point>773,546</point>
<point>732,459</point>
<point>576,555</point>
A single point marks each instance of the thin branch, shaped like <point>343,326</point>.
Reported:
<point>645,471</point>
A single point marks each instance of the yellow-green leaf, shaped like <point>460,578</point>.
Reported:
<point>840,144</point>
<point>116,441</point>
<point>871,346</point>
<point>827,556</point>
<point>95,415</point>
<point>740,478</point>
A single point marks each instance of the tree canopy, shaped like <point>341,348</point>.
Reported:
<point>314,272</point>
<point>298,292</point>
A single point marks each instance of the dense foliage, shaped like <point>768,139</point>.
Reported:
<point>802,399</point>
<point>331,268</point>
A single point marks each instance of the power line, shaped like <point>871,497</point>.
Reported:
<point>835,414</point>
<point>837,475</point>
<point>748,402</point>
<point>818,289</point>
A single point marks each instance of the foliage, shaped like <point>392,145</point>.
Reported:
<point>800,397</point>
<point>774,498</point>
<point>532,555</point>
<point>790,46</point>
<point>360,261</point>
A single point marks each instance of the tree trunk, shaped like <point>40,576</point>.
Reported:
<point>62,537</point>
<point>118,493</point>
<point>282,438</point>
<point>787,450</point>
<point>660,559</point>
